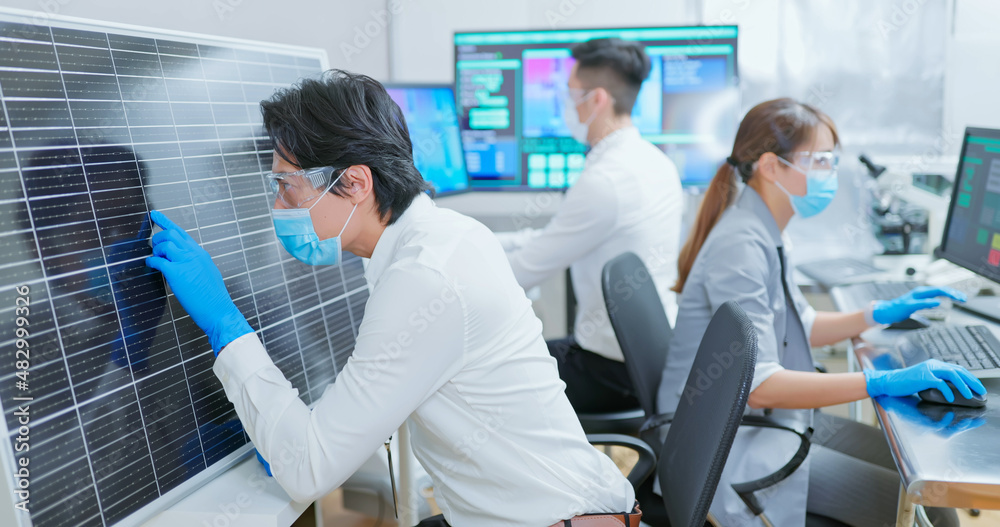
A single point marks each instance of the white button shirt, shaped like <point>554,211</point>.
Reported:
<point>628,199</point>
<point>449,345</point>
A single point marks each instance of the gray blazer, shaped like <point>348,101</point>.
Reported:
<point>740,261</point>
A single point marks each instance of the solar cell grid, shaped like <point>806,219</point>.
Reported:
<point>97,128</point>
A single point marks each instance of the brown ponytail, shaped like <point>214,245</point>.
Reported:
<point>779,126</point>
<point>720,194</point>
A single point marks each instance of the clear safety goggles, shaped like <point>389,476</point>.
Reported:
<point>298,188</point>
<point>818,161</point>
<point>576,96</point>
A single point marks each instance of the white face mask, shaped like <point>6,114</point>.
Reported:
<point>577,129</point>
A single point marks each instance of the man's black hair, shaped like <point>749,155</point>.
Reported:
<point>344,119</point>
<point>616,65</point>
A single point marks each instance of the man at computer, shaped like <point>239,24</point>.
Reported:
<point>628,199</point>
<point>448,346</point>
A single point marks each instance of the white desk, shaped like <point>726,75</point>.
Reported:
<point>945,455</point>
<point>242,496</point>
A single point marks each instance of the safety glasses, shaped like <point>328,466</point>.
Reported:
<point>820,161</point>
<point>295,189</point>
<point>575,95</point>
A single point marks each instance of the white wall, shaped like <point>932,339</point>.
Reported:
<point>359,34</point>
<point>972,84</point>
<point>354,33</point>
<point>423,49</point>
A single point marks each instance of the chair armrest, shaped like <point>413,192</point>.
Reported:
<point>622,422</point>
<point>747,489</point>
<point>766,421</point>
<point>647,458</point>
<point>656,421</point>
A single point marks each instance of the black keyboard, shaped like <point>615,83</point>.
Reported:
<point>837,271</point>
<point>973,347</point>
<point>856,297</point>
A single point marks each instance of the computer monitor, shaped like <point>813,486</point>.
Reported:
<point>972,231</point>
<point>437,146</point>
<point>509,88</point>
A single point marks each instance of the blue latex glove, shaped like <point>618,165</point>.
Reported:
<point>896,310</point>
<point>928,374</point>
<point>267,466</point>
<point>134,319</point>
<point>197,283</point>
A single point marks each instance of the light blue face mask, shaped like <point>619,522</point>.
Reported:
<point>295,231</point>
<point>821,187</point>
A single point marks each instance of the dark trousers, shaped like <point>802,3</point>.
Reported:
<point>852,477</point>
<point>434,521</point>
<point>594,384</point>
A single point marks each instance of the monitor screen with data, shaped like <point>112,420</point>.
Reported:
<point>437,146</point>
<point>510,89</point>
<point>98,127</point>
<point>972,233</point>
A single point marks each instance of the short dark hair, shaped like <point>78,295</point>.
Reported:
<point>343,119</point>
<point>616,65</point>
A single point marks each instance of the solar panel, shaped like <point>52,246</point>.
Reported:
<point>100,125</point>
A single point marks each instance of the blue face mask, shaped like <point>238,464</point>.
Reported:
<point>821,187</point>
<point>295,231</point>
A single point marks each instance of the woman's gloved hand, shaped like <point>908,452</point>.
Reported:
<point>197,283</point>
<point>898,309</point>
<point>928,374</point>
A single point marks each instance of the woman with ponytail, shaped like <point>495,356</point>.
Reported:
<point>785,156</point>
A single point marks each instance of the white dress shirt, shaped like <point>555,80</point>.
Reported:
<point>448,345</point>
<point>628,199</point>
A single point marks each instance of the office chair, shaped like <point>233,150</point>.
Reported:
<point>689,467</point>
<point>702,430</point>
<point>643,333</point>
<point>626,422</point>
<point>646,464</point>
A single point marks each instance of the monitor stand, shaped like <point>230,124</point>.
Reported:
<point>986,306</point>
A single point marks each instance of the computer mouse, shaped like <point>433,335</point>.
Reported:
<point>914,322</point>
<point>933,395</point>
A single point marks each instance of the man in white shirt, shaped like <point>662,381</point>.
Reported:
<point>628,199</point>
<point>448,345</point>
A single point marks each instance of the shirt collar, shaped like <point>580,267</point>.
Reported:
<point>617,137</point>
<point>385,248</point>
<point>751,200</point>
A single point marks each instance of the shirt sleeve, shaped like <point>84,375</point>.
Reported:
<point>739,271</point>
<point>411,342</point>
<point>585,219</point>
<point>514,240</point>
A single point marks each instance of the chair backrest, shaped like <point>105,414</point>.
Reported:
<point>707,417</point>
<point>640,324</point>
